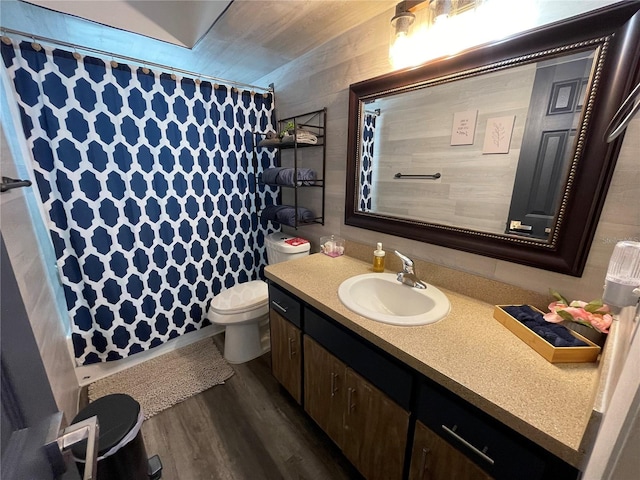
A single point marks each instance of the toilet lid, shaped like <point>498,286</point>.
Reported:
<point>240,298</point>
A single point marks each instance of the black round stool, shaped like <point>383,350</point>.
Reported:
<point>118,457</point>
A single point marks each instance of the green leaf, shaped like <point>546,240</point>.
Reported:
<point>586,324</point>
<point>565,315</point>
<point>593,306</point>
<point>558,297</point>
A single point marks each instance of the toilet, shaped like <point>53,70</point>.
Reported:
<point>244,308</point>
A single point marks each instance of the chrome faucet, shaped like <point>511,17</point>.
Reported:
<point>407,275</point>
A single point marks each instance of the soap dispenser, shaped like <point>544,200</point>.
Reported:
<point>378,259</point>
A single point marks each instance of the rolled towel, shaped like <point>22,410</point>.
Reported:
<point>270,175</point>
<point>557,335</point>
<point>285,176</point>
<point>306,176</point>
<point>286,214</point>
<point>271,139</point>
<point>269,212</point>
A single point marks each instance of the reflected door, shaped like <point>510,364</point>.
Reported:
<point>554,114</point>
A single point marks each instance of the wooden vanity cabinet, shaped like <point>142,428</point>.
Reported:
<point>325,389</point>
<point>432,458</point>
<point>286,354</point>
<point>366,424</point>
<point>375,430</point>
<point>502,453</point>
<point>286,341</point>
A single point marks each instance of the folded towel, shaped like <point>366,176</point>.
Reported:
<point>301,136</point>
<point>286,214</point>
<point>285,176</point>
<point>557,335</point>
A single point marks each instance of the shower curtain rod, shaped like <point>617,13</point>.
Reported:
<point>131,59</point>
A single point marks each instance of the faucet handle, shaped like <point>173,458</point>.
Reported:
<point>407,263</point>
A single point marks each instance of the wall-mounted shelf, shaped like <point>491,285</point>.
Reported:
<point>301,160</point>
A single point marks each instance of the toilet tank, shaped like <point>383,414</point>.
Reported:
<point>282,247</point>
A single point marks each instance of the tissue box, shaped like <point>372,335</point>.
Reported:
<point>550,352</point>
<point>332,245</point>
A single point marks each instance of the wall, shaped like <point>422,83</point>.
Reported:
<point>322,78</point>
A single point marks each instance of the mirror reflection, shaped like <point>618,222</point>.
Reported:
<point>488,152</point>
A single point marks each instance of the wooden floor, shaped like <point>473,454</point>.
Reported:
<point>248,428</point>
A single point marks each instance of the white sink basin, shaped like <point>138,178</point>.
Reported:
<point>380,297</point>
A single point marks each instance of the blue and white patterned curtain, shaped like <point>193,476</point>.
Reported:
<point>148,190</point>
<point>366,161</point>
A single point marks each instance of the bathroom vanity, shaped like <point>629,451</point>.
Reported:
<point>461,398</point>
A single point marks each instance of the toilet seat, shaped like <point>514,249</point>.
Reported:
<point>240,303</point>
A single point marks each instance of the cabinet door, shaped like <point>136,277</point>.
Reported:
<point>286,354</point>
<point>375,430</point>
<point>324,389</point>
<point>432,458</point>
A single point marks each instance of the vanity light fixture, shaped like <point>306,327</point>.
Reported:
<point>403,19</point>
<point>431,12</point>
<point>400,47</point>
<point>423,30</point>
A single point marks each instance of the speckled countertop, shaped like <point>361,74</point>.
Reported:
<point>470,353</point>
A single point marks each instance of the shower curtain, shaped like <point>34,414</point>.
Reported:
<point>366,162</point>
<point>146,189</point>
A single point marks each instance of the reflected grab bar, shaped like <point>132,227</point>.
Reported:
<point>613,131</point>
<point>435,176</point>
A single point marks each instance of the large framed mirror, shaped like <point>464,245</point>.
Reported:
<point>498,150</point>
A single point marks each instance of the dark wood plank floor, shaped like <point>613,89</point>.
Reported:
<point>248,428</point>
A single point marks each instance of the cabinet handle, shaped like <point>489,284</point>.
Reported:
<point>334,386</point>
<point>291,350</point>
<point>278,306</point>
<point>423,463</point>
<point>480,453</point>
<point>350,405</point>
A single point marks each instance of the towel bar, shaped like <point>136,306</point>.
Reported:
<point>435,176</point>
<point>620,121</point>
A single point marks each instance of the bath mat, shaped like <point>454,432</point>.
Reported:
<point>161,382</point>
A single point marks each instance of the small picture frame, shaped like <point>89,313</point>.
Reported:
<point>464,127</point>
<point>497,136</point>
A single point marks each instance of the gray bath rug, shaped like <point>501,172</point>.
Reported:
<point>161,382</point>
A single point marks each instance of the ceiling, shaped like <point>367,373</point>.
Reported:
<point>182,22</point>
<point>247,38</point>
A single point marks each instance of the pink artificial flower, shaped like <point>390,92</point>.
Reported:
<point>600,320</point>
<point>552,316</point>
<point>578,314</point>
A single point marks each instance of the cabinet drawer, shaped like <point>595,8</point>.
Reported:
<point>503,453</point>
<point>285,304</point>
<point>389,376</point>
